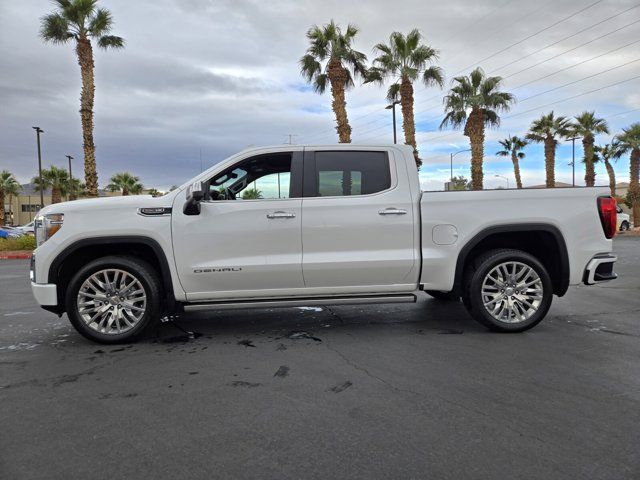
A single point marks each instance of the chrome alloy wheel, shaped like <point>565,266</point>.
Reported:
<point>512,292</point>
<point>111,301</point>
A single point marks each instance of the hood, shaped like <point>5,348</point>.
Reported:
<point>111,203</point>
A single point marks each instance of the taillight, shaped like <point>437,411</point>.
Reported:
<point>608,215</point>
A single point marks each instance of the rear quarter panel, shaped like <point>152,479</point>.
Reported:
<point>573,211</point>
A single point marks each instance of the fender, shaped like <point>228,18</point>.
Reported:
<point>165,272</point>
<point>561,286</point>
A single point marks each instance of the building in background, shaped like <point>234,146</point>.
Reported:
<point>22,208</point>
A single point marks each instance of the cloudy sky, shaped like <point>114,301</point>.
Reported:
<point>206,78</point>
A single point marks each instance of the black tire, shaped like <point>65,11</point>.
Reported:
<point>473,296</point>
<point>138,269</point>
<point>624,226</point>
<point>443,296</point>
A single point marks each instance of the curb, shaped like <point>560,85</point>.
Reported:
<point>15,255</point>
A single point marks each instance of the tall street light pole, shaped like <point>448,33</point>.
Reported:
<point>573,158</point>
<point>393,108</point>
<point>38,132</point>
<point>451,164</point>
<point>502,176</point>
<point>71,192</point>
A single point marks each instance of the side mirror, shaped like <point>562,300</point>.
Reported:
<point>195,194</point>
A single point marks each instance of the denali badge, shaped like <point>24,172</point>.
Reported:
<point>217,270</point>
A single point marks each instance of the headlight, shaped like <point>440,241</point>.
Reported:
<point>46,226</point>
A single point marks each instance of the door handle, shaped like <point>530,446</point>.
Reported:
<point>281,214</point>
<point>392,211</point>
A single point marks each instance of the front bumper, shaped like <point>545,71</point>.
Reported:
<point>600,269</point>
<point>46,294</point>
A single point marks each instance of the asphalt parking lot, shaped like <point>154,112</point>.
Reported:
<point>399,391</point>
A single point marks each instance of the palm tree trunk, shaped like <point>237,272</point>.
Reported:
<point>612,177</point>
<point>125,191</point>
<point>408,121</point>
<point>590,172</point>
<point>516,169</point>
<point>634,185</point>
<point>85,60</point>
<point>1,208</point>
<point>56,195</point>
<point>550,160</point>
<point>338,79</point>
<point>474,129</point>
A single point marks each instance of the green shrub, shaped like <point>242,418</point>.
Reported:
<point>26,242</point>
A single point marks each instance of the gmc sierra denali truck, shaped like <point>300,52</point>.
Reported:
<point>317,225</point>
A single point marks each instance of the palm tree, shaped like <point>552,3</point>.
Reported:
<point>76,189</point>
<point>630,143</point>
<point>513,146</point>
<point>82,21</point>
<point>481,97</point>
<point>328,44</point>
<point>54,178</point>
<point>126,183</point>
<point>606,153</point>
<point>404,60</point>
<point>251,194</point>
<point>8,186</point>
<point>587,126</point>
<point>154,192</point>
<point>548,129</point>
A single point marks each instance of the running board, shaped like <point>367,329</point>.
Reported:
<point>299,302</point>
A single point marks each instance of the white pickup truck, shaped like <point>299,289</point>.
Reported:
<point>317,225</point>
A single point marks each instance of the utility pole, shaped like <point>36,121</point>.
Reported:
<point>38,132</point>
<point>392,107</point>
<point>290,137</point>
<point>72,194</point>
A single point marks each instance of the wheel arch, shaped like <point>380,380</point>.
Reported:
<point>82,251</point>
<point>544,241</point>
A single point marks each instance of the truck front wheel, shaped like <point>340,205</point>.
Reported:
<point>508,290</point>
<point>113,299</point>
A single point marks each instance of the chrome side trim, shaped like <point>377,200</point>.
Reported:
<point>154,211</point>
<point>300,302</point>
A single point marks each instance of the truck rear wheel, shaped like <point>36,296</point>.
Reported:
<point>508,290</point>
<point>113,299</point>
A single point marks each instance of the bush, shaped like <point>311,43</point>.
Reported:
<point>26,242</point>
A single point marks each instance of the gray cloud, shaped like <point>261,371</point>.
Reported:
<point>217,76</point>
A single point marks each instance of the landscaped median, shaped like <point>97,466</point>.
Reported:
<point>17,248</point>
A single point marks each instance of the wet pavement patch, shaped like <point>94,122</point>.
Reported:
<point>182,338</point>
<point>240,383</point>
<point>303,336</point>
<point>194,373</point>
<point>247,343</point>
<point>341,387</point>
<point>282,372</point>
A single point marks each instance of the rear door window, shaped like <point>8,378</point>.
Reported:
<point>347,173</point>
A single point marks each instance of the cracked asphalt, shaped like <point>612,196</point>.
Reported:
<point>399,391</point>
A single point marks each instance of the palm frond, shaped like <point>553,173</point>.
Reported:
<point>55,28</point>
<point>433,76</point>
<point>393,92</point>
<point>110,41</point>
<point>101,23</point>
<point>320,82</point>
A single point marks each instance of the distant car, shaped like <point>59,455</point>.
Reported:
<point>28,228</point>
<point>624,220</point>
<point>10,232</point>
